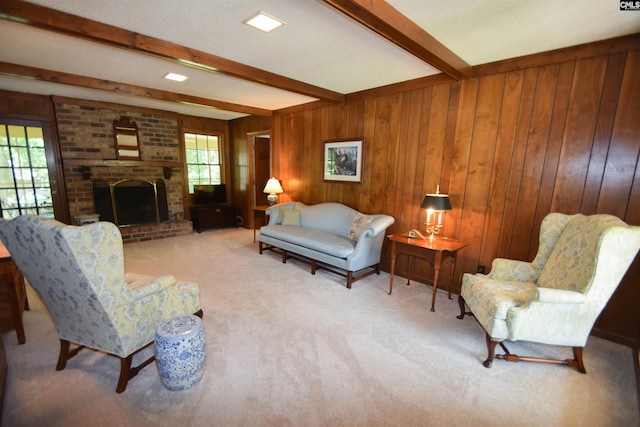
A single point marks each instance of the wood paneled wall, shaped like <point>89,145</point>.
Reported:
<point>508,148</point>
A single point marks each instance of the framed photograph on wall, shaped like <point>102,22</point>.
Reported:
<point>343,160</point>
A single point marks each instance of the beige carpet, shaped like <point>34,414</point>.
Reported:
<point>285,348</point>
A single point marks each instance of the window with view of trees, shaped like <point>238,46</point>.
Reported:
<point>24,177</point>
<point>204,159</point>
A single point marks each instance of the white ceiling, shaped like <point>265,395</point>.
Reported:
<point>318,45</point>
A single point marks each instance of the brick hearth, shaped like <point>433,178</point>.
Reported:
<point>142,232</point>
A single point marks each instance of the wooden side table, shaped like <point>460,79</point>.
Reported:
<point>14,291</point>
<point>431,250</point>
<point>256,210</point>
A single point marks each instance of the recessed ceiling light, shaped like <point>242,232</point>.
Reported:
<point>263,22</point>
<point>176,77</point>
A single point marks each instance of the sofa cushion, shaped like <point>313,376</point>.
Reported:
<point>290,216</point>
<point>359,223</point>
<point>321,241</point>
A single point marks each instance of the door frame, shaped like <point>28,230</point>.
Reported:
<point>251,139</point>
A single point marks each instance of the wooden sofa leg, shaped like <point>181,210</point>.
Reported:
<point>260,248</point>
<point>461,303</point>
<point>349,279</point>
<point>314,267</point>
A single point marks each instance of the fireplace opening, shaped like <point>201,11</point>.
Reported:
<point>131,201</point>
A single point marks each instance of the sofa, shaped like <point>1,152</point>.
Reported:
<point>330,236</point>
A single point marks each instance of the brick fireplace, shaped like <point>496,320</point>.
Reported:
<point>88,152</point>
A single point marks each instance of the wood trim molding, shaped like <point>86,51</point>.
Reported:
<point>76,26</point>
<point>388,22</point>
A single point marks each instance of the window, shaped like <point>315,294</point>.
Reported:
<point>204,159</point>
<point>24,177</point>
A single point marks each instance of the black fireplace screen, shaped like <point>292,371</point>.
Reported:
<point>131,201</point>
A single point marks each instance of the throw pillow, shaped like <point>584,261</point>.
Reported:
<point>358,224</point>
<point>290,216</point>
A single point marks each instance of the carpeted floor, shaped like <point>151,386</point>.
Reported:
<point>285,348</point>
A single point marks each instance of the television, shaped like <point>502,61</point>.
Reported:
<point>215,194</point>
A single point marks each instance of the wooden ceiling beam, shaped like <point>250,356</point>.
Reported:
<point>14,70</point>
<point>76,26</point>
<point>385,20</point>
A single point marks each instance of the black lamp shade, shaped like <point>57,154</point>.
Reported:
<point>436,202</point>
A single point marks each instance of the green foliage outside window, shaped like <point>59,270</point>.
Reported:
<point>203,159</point>
<point>24,177</point>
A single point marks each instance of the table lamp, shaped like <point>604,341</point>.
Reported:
<point>435,204</point>
<point>273,188</point>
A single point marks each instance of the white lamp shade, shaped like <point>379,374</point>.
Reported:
<point>273,187</point>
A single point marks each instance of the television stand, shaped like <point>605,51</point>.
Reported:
<point>212,216</point>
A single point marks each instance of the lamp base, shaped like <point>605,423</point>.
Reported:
<point>272,199</point>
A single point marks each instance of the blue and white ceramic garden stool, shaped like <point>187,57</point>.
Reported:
<point>180,352</point>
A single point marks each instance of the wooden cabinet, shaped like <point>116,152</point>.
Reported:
<point>212,216</point>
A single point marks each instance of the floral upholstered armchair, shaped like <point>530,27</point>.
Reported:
<point>556,298</point>
<point>78,273</point>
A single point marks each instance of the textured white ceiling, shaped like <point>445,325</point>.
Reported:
<point>318,45</point>
<point>483,31</point>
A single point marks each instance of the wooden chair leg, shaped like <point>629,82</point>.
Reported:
<point>491,347</point>
<point>125,373</point>
<point>577,357</point>
<point>63,356</point>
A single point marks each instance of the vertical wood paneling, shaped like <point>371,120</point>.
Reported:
<point>480,167</point>
<point>622,160</point>
<point>537,138</point>
<point>516,164</point>
<point>406,182</point>
<point>554,145</point>
<point>501,163</point>
<point>604,126</point>
<point>579,134</point>
<point>397,123</point>
<point>428,124</point>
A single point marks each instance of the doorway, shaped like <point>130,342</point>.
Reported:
<point>261,145</point>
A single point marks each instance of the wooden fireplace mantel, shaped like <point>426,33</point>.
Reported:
<point>86,165</point>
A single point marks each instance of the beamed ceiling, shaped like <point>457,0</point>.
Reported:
<point>119,50</point>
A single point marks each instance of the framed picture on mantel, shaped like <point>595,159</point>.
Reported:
<point>343,160</point>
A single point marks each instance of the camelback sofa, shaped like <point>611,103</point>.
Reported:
<point>327,235</point>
